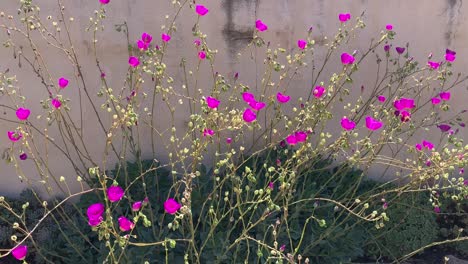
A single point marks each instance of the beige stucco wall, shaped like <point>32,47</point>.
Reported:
<point>430,26</point>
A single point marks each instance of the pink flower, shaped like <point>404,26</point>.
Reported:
<point>62,82</point>
<point>229,140</point>
<point>201,10</point>
<point>208,132</point>
<point>302,44</point>
<point>115,193</point>
<point>165,37</point>
<point>146,38</point>
<point>428,145</point>
<point>56,103</point>
<point>418,147</point>
<point>260,25</point>
<point>405,116</point>
<point>435,100</point>
<point>201,55</point>
<point>301,136</point>
<point>291,139</point>
<point>381,98</point>
<point>389,27</point>
<point>257,106</point>
<point>445,96</point>
<point>344,17</point>
<point>133,61</point>
<point>94,214</point>
<point>249,115</point>
<point>14,136</point>
<point>444,127</point>
<point>271,186</point>
<point>104,2</point>
<point>373,124</point>
<point>400,50</point>
<point>434,65</point>
<point>23,113</point>
<point>450,55</point>
<point>347,124</point>
<point>20,252</point>
<point>136,206</point>
<point>387,48</point>
<point>212,102</point>
<point>404,103</point>
<point>23,156</point>
<point>171,206</point>
<point>248,97</point>
<point>347,59</point>
<point>125,224</point>
<point>282,98</point>
<point>437,209</point>
<point>282,248</point>
<point>197,42</point>
<point>318,91</point>
<point>142,45</point>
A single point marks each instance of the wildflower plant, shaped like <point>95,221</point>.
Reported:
<point>246,172</point>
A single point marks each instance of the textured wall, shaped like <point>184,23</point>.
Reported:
<point>229,25</point>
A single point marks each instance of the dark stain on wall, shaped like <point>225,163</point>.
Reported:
<point>452,11</point>
<point>237,37</point>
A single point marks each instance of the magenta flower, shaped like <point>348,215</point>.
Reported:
<point>301,136</point>
<point>389,27</point>
<point>248,97</point>
<point>212,102</point>
<point>62,82</point>
<point>418,147</point>
<point>428,145</point>
<point>171,206</point>
<point>445,96</point>
<point>229,140</point>
<point>201,10</point>
<point>282,248</point>
<point>136,206</point>
<point>344,17</point>
<point>142,45</point>
<point>347,124</point>
<point>434,65</point>
<point>282,98</point>
<point>444,127</point>
<point>104,2</point>
<point>404,103</point>
<point>302,44</point>
<point>260,25</point>
<point>373,124</point>
<point>450,55</point>
<point>23,156</point>
<point>318,91</point>
<point>257,106</point>
<point>22,113</point>
<point>133,61</point>
<point>165,37</point>
<point>197,42</point>
<point>249,115</point>
<point>387,48</point>
<point>347,59</point>
<point>271,186</point>
<point>437,209</point>
<point>291,139</point>
<point>435,100</point>
<point>125,224</point>
<point>20,252</point>
<point>400,50</point>
<point>56,103</point>
<point>115,193</point>
<point>94,214</point>
<point>208,132</point>
<point>405,116</point>
<point>146,38</point>
<point>14,136</point>
<point>381,98</point>
<point>201,55</point>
